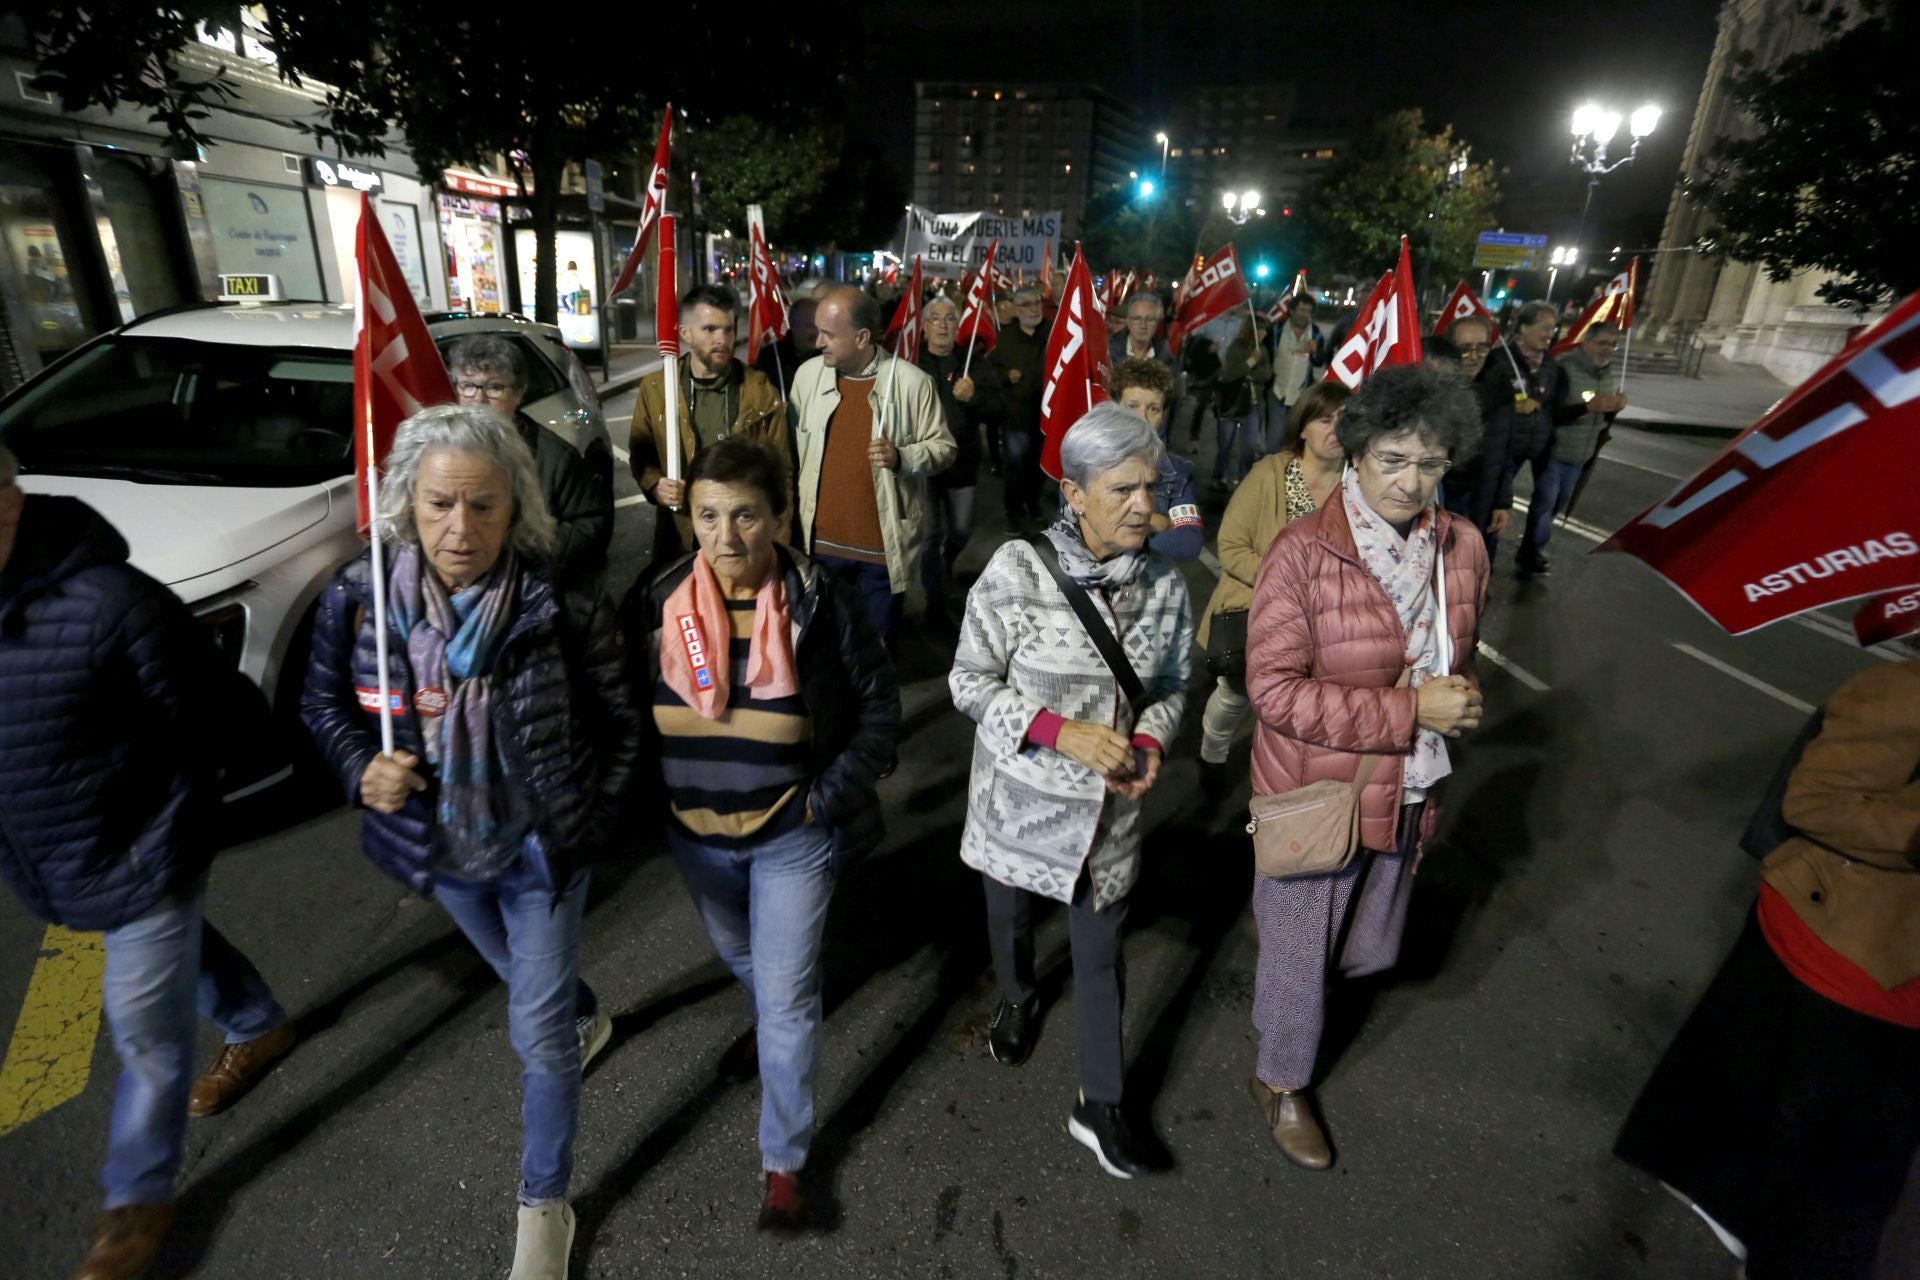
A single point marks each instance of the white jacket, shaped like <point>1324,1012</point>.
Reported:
<point>907,405</point>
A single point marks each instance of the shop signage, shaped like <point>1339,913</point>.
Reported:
<point>338,173</point>
<point>475,185</point>
<point>249,288</point>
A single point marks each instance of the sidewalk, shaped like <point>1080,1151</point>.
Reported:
<point>1725,399</point>
<point>627,362</point>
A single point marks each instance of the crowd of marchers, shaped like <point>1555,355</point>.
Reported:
<point>738,708</point>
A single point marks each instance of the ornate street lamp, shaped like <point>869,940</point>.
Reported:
<point>1241,207</point>
<point>1594,128</point>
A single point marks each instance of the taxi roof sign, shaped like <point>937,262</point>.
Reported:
<point>250,288</point>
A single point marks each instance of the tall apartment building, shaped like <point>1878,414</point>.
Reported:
<point>1246,138</point>
<point>1022,149</point>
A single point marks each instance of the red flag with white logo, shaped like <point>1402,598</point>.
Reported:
<point>1209,293</point>
<point>397,371</point>
<point>1046,272</point>
<point>1076,365</point>
<point>1386,331</point>
<point>1465,304</point>
<point>1614,305</point>
<point>1816,503</point>
<point>1278,311</point>
<point>903,335</point>
<point>891,276</point>
<point>976,320</point>
<point>766,301</point>
<point>650,208</point>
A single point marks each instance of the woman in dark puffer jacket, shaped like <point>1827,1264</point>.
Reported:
<point>515,738</point>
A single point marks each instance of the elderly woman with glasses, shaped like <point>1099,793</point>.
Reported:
<point>491,372</point>
<point>515,737</point>
<point>1069,741</point>
<point>1361,644</point>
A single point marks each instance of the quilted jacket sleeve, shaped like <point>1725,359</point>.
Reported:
<point>615,717</point>
<point>989,635</point>
<point>1280,652</point>
<point>579,491</point>
<point>329,705</point>
<point>1166,687</point>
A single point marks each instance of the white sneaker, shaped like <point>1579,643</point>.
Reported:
<point>546,1237</point>
<point>594,1034</point>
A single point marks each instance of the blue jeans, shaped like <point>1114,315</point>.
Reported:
<point>158,968</point>
<point>1244,435</point>
<point>949,527</point>
<point>765,908</point>
<point>1022,472</point>
<point>532,940</point>
<point>1553,482</point>
<point>873,585</point>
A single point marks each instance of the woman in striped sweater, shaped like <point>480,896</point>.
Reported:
<point>775,714</point>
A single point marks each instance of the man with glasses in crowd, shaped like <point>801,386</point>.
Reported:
<point>1583,418</point>
<point>491,371</point>
<point>1021,353</point>
<point>1516,404</point>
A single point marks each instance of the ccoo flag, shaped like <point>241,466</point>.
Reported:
<point>903,335</point>
<point>766,300</point>
<point>650,208</point>
<point>1075,370</point>
<point>397,371</point>
<point>1207,294</point>
<point>1386,330</point>
<point>1465,304</point>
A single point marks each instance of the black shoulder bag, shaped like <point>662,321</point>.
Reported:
<point>1096,626</point>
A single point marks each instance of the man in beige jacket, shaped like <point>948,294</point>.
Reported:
<point>868,431</point>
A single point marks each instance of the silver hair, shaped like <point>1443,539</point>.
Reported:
<point>1025,291</point>
<point>940,300</point>
<point>9,467</point>
<point>1105,437</point>
<point>484,434</point>
<point>487,353</point>
<point>1159,307</point>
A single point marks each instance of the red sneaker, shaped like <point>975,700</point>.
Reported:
<point>785,1207</point>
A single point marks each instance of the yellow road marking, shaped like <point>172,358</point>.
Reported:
<point>51,1053</point>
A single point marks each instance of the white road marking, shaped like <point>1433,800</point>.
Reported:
<point>1641,466</point>
<point>632,500</point>
<point>1578,528</point>
<point>1512,668</point>
<point>1752,682</point>
<point>622,454</point>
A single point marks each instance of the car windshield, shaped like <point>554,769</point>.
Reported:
<point>174,411</point>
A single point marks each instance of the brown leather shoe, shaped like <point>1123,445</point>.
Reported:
<point>237,1069</point>
<point>1288,1114</point>
<point>126,1242</point>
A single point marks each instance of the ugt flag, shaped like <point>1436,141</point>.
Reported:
<point>976,322</point>
<point>1614,305</point>
<point>1465,304</point>
<point>1385,332</point>
<point>1210,293</point>
<point>650,208</point>
<point>397,371</point>
<point>903,335</point>
<point>1816,503</point>
<point>1075,369</point>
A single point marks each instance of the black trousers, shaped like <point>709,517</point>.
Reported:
<point>1099,974</point>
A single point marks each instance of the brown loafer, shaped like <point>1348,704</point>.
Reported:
<point>126,1242</point>
<point>237,1069</point>
<point>1288,1115</point>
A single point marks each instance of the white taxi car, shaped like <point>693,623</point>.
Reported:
<point>216,439</point>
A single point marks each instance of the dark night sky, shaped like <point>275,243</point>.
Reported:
<point>1506,76</point>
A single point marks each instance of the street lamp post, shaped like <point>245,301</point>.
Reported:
<point>1594,128</point>
<point>1161,138</point>
<point>1241,207</point>
<point>1564,257</point>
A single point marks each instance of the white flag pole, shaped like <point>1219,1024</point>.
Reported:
<point>778,371</point>
<point>1626,350</point>
<point>670,375</point>
<point>379,569</point>
<point>886,405</point>
<point>966,369</point>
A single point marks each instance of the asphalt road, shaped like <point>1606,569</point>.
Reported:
<point>1587,888</point>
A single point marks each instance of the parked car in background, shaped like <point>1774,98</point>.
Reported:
<point>218,440</point>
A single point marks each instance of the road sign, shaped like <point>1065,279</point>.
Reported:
<point>596,187</point>
<point>1509,250</point>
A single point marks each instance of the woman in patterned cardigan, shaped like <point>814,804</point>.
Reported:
<point>1061,759</point>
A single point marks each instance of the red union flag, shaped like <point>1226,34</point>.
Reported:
<point>1046,272</point>
<point>1816,503</point>
<point>1614,305</point>
<point>1386,331</point>
<point>1278,311</point>
<point>666,295</point>
<point>903,335</point>
<point>397,371</point>
<point>1465,304</point>
<point>976,321</point>
<point>891,277</point>
<point>650,207</point>
<point>1888,617</point>
<point>1209,293</point>
<point>1075,368</point>
<point>766,301</point>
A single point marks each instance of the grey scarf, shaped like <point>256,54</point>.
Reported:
<point>1077,561</point>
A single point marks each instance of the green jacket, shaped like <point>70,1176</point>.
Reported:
<point>1577,432</point>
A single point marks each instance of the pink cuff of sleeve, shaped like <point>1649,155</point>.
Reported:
<point>1045,729</point>
<point>1144,743</point>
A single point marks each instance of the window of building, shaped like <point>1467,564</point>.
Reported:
<point>1324,153</point>
<point>933,166</point>
<point>261,228</point>
<point>39,254</point>
<point>133,237</point>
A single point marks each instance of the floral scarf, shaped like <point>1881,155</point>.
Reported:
<point>1406,569</point>
<point>452,641</point>
<point>1077,562</point>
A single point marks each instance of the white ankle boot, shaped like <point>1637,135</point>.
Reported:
<point>546,1237</point>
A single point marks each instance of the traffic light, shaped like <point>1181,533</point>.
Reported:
<point>1287,212</point>
<point>1513,282</point>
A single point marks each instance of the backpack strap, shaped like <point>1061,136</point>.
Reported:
<point>1096,626</point>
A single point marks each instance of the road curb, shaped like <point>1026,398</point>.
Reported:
<point>1710,430</point>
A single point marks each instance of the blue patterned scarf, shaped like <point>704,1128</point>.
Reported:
<point>452,641</point>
